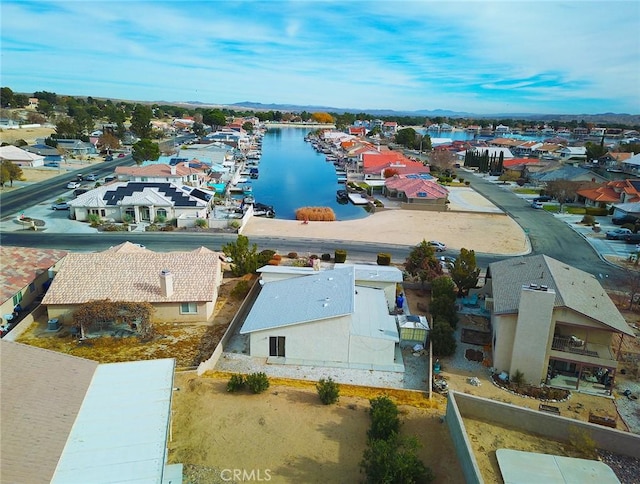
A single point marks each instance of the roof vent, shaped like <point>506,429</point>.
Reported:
<point>544,288</point>
<point>533,286</point>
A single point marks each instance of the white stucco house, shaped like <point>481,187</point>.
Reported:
<point>339,317</point>
<point>20,157</point>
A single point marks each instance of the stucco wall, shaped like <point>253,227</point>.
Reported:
<point>325,340</point>
<point>371,351</point>
<point>461,442</point>
<point>504,330</point>
<point>543,423</point>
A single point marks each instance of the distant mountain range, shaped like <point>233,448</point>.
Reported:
<point>609,118</point>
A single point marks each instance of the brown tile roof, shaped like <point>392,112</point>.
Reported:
<point>22,265</point>
<point>417,187</point>
<point>42,392</point>
<point>160,170</point>
<point>129,273</point>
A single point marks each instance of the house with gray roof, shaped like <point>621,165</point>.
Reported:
<point>326,318</point>
<point>71,420</point>
<point>139,202</point>
<point>181,286</point>
<point>554,323</point>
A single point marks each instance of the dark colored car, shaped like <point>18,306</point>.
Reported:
<point>108,158</point>
<point>632,238</point>
<point>80,191</point>
<point>624,219</point>
<point>543,198</point>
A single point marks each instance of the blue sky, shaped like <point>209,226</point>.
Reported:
<point>484,57</point>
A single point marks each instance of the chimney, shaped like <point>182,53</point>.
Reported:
<point>166,283</point>
<point>173,169</point>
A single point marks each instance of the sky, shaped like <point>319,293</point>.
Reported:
<point>481,57</point>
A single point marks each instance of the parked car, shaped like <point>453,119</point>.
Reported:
<point>438,246</point>
<point>60,206</point>
<point>446,261</point>
<point>108,158</point>
<point>632,238</point>
<point>624,219</point>
<point>80,191</point>
<point>618,234</point>
<point>543,198</point>
<point>121,155</point>
<point>537,205</point>
<point>73,184</point>
<point>91,177</point>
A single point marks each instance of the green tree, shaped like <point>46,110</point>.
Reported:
<point>6,97</point>
<point>145,149</point>
<point>141,121</point>
<point>248,127</point>
<point>394,461</point>
<point>464,272</point>
<point>214,118</point>
<point>408,137</point>
<point>10,172</point>
<point>595,150</point>
<point>385,421</point>
<point>423,263</point>
<point>443,300</point>
<point>244,256</point>
<point>67,128</point>
<point>442,338</point>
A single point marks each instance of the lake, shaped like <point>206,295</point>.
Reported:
<point>293,175</point>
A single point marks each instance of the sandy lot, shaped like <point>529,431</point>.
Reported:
<point>30,135</point>
<point>482,232</point>
<point>289,433</point>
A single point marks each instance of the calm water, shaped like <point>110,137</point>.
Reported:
<point>294,175</point>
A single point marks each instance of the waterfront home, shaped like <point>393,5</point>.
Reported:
<point>559,171</point>
<point>381,169</point>
<point>417,191</point>
<point>20,157</point>
<point>553,323</point>
<point>138,202</point>
<point>631,165</point>
<point>326,318</point>
<point>573,154</point>
<point>547,150</point>
<point>177,172</point>
<point>616,191</point>
<point>58,409</point>
<point>181,286</point>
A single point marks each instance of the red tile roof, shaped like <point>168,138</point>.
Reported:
<point>417,187</point>
<point>22,265</point>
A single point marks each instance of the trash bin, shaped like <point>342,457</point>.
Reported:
<point>53,325</point>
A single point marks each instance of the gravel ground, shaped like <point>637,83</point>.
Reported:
<point>627,469</point>
<point>629,409</point>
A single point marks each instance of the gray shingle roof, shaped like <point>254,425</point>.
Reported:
<point>575,289</point>
<point>42,392</point>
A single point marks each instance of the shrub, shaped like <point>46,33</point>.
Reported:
<point>384,259</point>
<point>325,257</point>
<point>201,223</point>
<point>583,443</point>
<point>442,338</point>
<point>340,256</point>
<point>95,220</point>
<point>394,460</point>
<point>167,228</point>
<point>160,219</point>
<point>234,224</point>
<point>292,255</point>
<point>588,220</point>
<point>316,214</point>
<point>235,383</point>
<point>517,378</point>
<point>240,290</point>
<point>461,180</point>
<point>257,382</point>
<point>265,256</point>
<point>328,391</point>
<point>384,418</point>
<point>126,218</point>
<point>467,183</point>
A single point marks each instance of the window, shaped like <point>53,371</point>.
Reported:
<point>17,298</point>
<point>100,212</point>
<point>161,212</point>
<point>188,308</point>
<point>32,287</point>
<point>276,346</point>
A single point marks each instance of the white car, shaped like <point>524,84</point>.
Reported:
<point>73,184</point>
<point>438,246</point>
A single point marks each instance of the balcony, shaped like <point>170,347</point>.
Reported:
<point>578,350</point>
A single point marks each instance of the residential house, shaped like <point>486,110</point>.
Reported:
<point>139,202</point>
<point>573,154</point>
<point>552,322</point>
<point>25,276</point>
<point>612,161</point>
<point>33,103</point>
<point>176,172</point>
<point>616,191</point>
<point>418,191</point>
<point>510,143</point>
<point>566,172</point>
<point>630,208</point>
<point>515,167</point>
<point>51,155</point>
<point>181,286</point>
<point>357,131</point>
<point>389,128</point>
<point>580,132</point>
<point>20,157</point>
<point>68,419</point>
<point>76,147</point>
<point>339,317</point>
<point>547,151</point>
<point>631,165</point>
<point>527,148</point>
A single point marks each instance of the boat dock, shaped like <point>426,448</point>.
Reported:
<point>358,199</point>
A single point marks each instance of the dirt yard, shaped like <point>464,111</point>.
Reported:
<point>30,135</point>
<point>287,433</point>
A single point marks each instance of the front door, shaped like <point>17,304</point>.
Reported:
<point>276,346</point>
